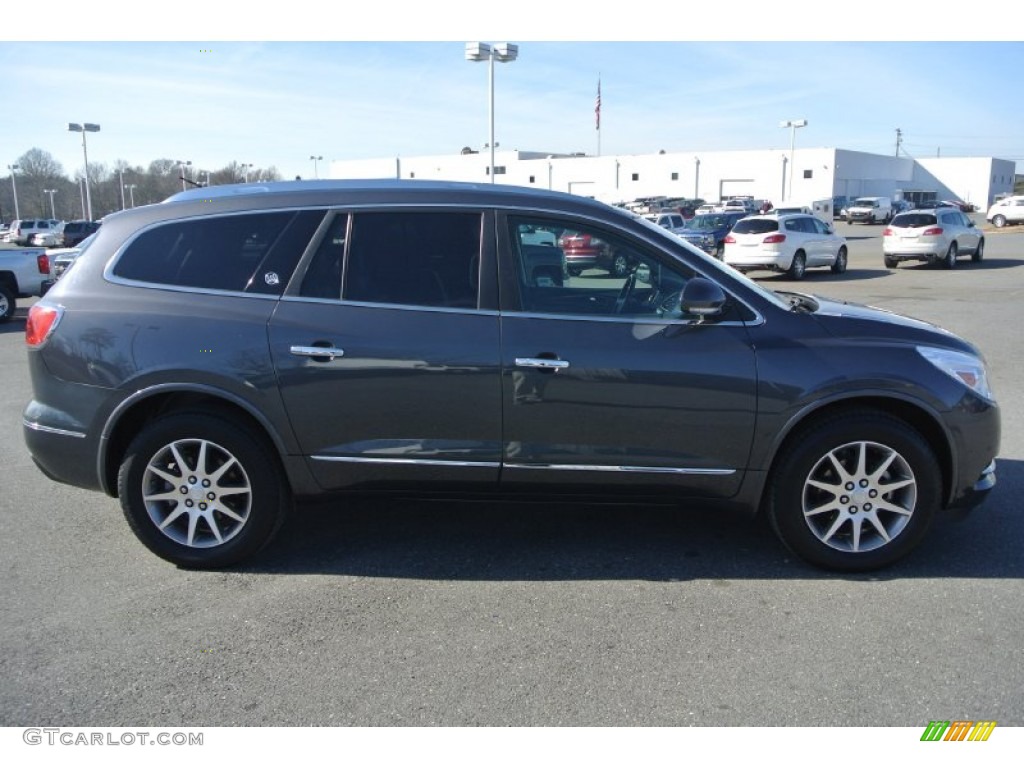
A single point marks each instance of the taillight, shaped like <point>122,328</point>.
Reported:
<point>776,238</point>
<point>933,231</point>
<point>887,232</point>
<point>729,239</point>
<point>40,324</point>
<point>43,262</point>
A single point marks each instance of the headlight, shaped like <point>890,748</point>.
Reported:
<point>967,369</point>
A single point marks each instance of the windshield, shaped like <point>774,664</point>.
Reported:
<point>866,202</point>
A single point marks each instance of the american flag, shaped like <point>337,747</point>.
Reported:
<point>597,106</point>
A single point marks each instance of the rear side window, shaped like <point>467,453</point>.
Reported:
<point>415,258</point>
<point>755,226</point>
<point>254,253</point>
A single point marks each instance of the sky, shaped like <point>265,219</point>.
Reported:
<point>272,91</point>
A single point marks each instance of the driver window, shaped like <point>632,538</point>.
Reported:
<point>568,268</point>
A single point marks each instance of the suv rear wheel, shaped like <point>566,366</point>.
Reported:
<point>201,491</point>
<point>854,492</point>
<point>798,266</point>
<point>951,255</point>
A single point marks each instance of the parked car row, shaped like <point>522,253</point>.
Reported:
<point>48,233</point>
<point>20,231</point>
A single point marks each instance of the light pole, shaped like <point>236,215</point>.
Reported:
<point>51,193</point>
<point>12,169</point>
<point>696,177</point>
<point>315,158</point>
<point>792,125</point>
<point>83,129</point>
<point>503,52</point>
<point>120,178</point>
<point>183,164</point>
<point>131,193</point>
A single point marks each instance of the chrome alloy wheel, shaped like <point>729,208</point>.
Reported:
<point>859,496</point>
<point>196,493</point>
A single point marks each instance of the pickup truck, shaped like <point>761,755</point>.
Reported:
<point>24,272</point>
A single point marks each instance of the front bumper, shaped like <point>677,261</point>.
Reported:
<point>975,495</point>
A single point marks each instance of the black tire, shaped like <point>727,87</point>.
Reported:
<point>574,271</point>
<point>950,259</point>
<point>890,262</point>
<point>844,536</point>
<point>999,220</point>
<point>839,266</point>
<point>8,302</point>
<point>798,266</point>
<point>979,252</point>
<point>241,503</point>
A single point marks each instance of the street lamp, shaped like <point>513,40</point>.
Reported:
<point>503,52</point>
<point>315,158</point>
<point>183,164</point>
<point>793,125</point>
<point>12,169</point>
<point>83,129</point>
<point>51,193</point>
<point>131,192</point>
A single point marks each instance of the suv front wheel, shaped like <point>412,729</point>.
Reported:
<point>201,491</point>
<point>854,492</point>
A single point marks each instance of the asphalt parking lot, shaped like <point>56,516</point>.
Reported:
<point>415,613</point>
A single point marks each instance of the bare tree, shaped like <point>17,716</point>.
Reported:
<point>39,164</point>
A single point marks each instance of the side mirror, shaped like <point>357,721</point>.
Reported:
<point>702,297</point>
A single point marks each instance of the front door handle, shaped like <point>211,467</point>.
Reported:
<point>317,352</point>
<point>542,363</point>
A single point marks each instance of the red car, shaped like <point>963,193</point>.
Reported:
<point>584,251</point>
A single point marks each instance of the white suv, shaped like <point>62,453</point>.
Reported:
<point>788,242</point>
<point>1009,210</point>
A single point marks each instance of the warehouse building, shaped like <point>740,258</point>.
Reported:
<point>813,174</point>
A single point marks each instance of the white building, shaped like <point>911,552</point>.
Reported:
<point>816,173</point>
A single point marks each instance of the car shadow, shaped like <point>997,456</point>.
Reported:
<point>965,263</point>
<point>17,323</point>
<point>506,541</point>
<point>813,275</point>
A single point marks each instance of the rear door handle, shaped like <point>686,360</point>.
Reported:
<point>543,363</point>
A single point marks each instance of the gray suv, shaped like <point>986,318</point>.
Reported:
<point>213,357</point>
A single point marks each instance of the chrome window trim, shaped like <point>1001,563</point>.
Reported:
<point>638,320</point>
<point>35,425</point>
<point>485,209</point>
<point>189,289</point>
<point>379,305</point>
<point>623,468</point>
<point>423,462</point>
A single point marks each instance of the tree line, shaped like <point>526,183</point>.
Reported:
<point>38,172</point>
